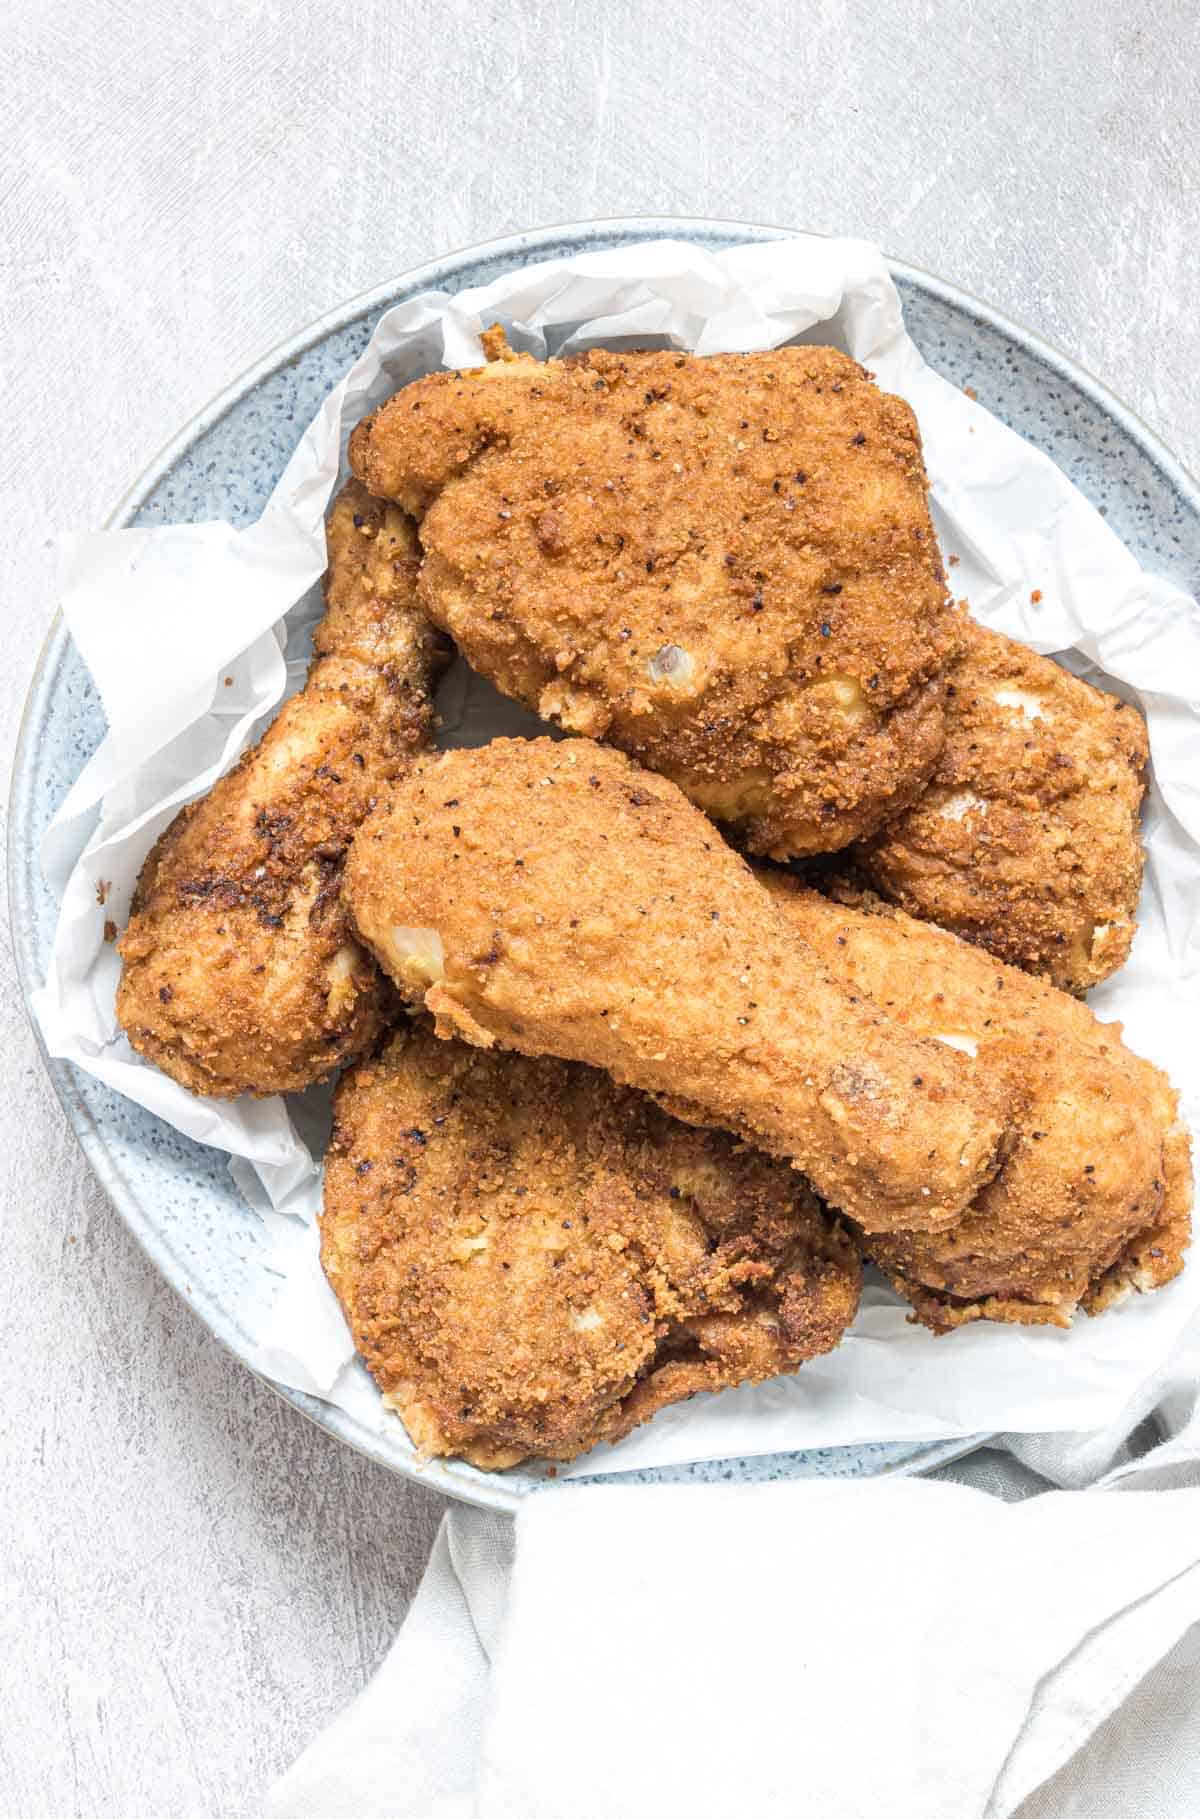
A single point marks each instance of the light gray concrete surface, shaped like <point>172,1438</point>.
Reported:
<point>192,1579</point>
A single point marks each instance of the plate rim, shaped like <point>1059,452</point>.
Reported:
<point>446,1476</point>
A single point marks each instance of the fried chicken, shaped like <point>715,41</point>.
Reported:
<point>723,565</point>
<point>553,897</point>
<point>240,972</point>
<point>532,1259</point>
<point>1095,1195</point>
<point>1026,841</point>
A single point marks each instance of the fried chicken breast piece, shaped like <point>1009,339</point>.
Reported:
<point>552,897</point>
<point>240,972</point>
<point>723,565</point>
<point>1095,1195</point>
<point>532,1259</point>
<point>1027,839</point>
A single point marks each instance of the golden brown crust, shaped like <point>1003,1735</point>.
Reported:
<point>1027,839</point>
<point>1095,1195</point>
<point>532,1259</point>
<point>723,565</point>
<point>568,903</point>
<point>240,972</point>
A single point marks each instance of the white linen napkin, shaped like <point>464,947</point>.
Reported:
<point>973,1647</point>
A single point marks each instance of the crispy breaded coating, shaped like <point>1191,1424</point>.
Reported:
<point>1094,1197</point>
<point>554,898</point>
<point>532,1259</point>
<point>1027,839</point>
<point>240,972</point>
<point>723,565</point>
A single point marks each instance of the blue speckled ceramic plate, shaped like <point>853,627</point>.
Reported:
<point>176,1196</point>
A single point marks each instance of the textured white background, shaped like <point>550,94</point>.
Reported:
<point>191,1578</point>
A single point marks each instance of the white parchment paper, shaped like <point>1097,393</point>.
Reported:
<point>163,617</point>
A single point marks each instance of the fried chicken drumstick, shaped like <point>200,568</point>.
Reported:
<point>532,1259</point>
<point>556,899</point>
<point>1095,1196</point>
<point>1027,839</point>
<point>240,972</point>
<point>723,565</point>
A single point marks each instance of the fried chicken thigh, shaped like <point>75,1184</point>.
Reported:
<point>723,565</point>
<point>1095,1195</point>
<point>1026,841</point>
<point>532,1259</point>
<point>240,972</point>
<point>554,898</point>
